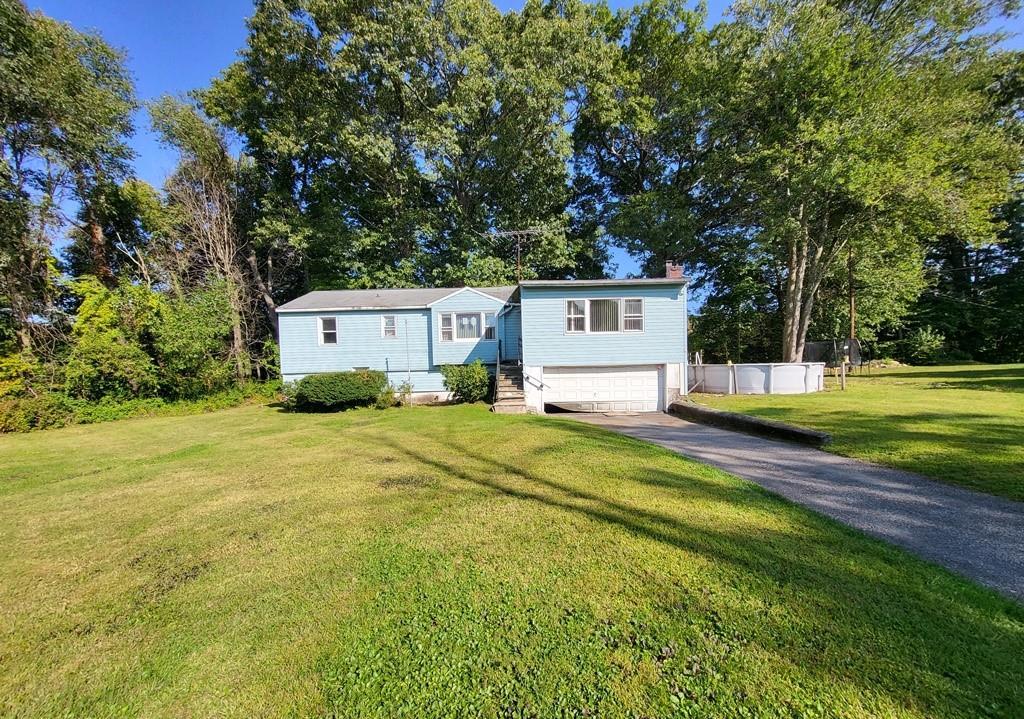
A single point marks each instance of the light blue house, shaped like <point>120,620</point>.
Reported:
<point>589,345</point>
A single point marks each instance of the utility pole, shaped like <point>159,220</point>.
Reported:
<point>853,295</point>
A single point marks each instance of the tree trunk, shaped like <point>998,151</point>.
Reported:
<point>265,289</point>
<point>792,337</point>
<point>852,295</point>
<point>238,349</point>
<point>98,249</point>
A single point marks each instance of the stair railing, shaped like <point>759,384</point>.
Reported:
<point>497,372</point>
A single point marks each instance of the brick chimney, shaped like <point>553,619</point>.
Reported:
<point>673,271</point>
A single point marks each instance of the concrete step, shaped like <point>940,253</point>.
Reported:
<point>510,407</point>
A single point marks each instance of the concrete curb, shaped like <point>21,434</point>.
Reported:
<point>751,425</point>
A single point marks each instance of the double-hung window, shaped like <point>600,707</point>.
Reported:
<point>575,316</point>
<point>447,333</point>
<point>633,315</point>
<point>467,326</point>
<point>328,330</point>
<point>388,326</point>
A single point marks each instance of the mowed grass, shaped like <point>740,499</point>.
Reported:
<point>962,424</point>
<point>440,562</point>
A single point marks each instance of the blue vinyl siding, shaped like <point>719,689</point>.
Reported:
<point>359,342</point>
<point>510,330</point>
<point>546,343</point>
<point>463,352</point>
<point>417,352</point>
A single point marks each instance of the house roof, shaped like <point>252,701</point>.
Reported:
<point>604,283</point>
<point>423,297</point>
<point>389,299</point>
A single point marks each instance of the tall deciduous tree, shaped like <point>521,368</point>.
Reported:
<point>859,121</point>
<point>644,155</point>
<point>65,109</point>
<point>796,141</point>
<point>392,137</point>
<point>203,208</point>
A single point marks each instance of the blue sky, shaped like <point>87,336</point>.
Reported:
<point>174,47</point>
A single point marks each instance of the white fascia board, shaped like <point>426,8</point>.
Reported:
<point>466,289</point>
<point>353,309</point>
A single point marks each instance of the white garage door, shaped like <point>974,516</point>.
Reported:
<point>605,389</point>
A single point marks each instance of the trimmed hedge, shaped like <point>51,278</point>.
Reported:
<point>339,390</point>
<point>54,409</point>
<point>467,383</point>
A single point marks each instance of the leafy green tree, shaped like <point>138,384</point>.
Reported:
<point>65,105</point>
<point>975,294</point>
<point>113,342</point>
<point>119,212</point>
<point>388,140</point>
<point>192,342</point>
<point>202,214</point>
<point>859,120</point>
<point>796,141</point>
<point>643,152</point>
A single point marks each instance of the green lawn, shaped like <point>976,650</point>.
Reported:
<point>962,424</point>
<point>437,562</point>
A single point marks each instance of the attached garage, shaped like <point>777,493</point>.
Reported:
<point>638,388</point>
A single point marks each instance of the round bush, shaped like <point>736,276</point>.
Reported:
<point>339,390</point>
<point>467,383</point>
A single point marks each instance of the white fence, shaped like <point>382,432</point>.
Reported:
<point>771,378</point>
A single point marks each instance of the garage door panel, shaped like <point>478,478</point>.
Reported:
<point>605,389</point>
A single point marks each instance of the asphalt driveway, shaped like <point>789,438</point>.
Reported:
<point>973,534</point>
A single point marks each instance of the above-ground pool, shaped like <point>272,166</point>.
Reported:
<point>771,378</point>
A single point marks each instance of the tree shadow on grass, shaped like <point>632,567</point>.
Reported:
<point>1006,379</point>
<point>886,616</point>
<point>972,449</point>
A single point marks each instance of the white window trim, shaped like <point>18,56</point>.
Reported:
<point>642,315</point>
<point>455,333</point>
<point>618,304</point>
<point>565,321</point>
<point>586,316</point>
<point>484,328</point>
<point>383,325</point>
<point>320,332</point>
<point>440,326</point>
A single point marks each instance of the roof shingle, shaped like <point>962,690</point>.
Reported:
<point>391,299</point>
